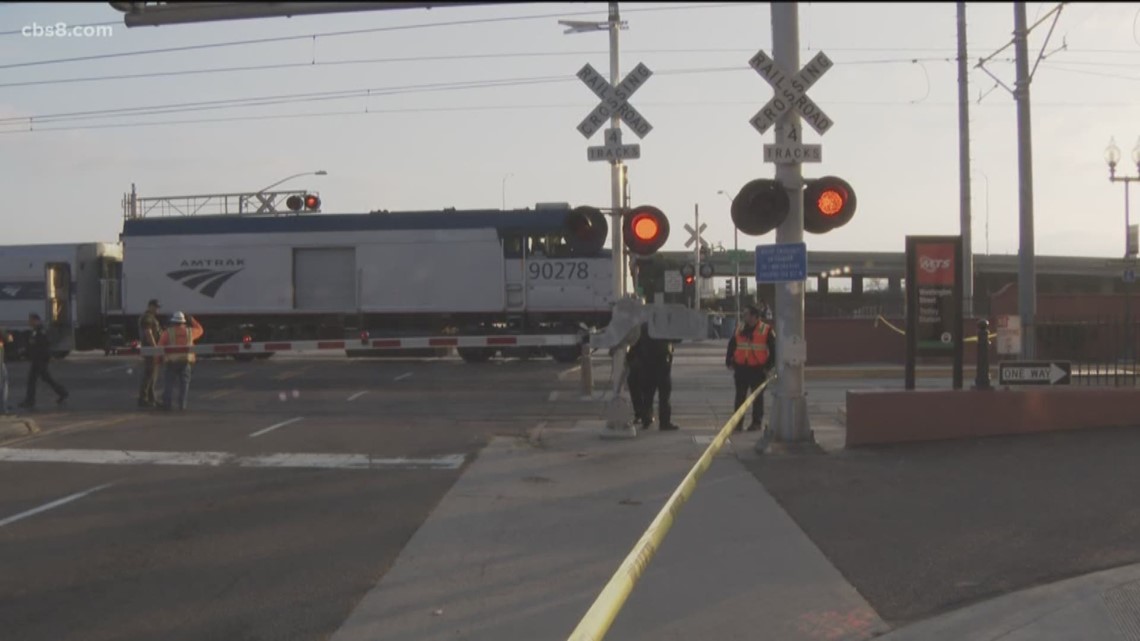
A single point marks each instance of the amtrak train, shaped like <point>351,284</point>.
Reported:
<point>325,276</point>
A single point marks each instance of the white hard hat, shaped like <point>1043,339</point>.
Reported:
<point>178,317</point>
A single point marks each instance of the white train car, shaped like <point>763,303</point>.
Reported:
<point>69,285</point>
<point>306,277</point>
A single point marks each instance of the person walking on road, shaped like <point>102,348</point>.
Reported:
<point>751,356</point>
<point>149,332</point>
<point>39,352</point>
<point>178,366</point>
<point>652,359</point>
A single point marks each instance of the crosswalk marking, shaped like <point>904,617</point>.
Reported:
<point>325,461</point>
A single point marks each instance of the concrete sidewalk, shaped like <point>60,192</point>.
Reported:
<point>525,540</point>
<point>1104,606</point>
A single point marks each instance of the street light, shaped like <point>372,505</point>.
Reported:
<point>1112,156</point>
<point>735,257</point>
<point>320,172</point>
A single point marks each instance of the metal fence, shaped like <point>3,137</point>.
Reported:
<point>1102,350</point>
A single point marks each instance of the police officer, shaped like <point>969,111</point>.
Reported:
<point>39,352</point>
<point>651,373</point>
<point>751,355</point>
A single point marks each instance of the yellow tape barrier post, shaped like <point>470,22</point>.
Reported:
<point>598,619</point>
<point>968,339</point>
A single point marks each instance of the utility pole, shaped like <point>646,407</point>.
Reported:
<point>964,164</point>
<point>1027,269</point>
<point>697,258</point>
<point>1026,277</point>
<point>790,412</point>
<point>616,170</point>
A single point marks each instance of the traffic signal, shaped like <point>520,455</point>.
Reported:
<point>645,230</point>
<point>829,203</point>
<point>310,202</point>
<point>585,230</point>
<point>728,289</point>
<point>761,206</point>
<point>689,274</point>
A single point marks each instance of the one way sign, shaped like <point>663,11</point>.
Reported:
<point>1035,373</point>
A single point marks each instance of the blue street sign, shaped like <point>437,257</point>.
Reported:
<point>781,263</point>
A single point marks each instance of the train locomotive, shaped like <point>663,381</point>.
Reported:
<point>334,276</point>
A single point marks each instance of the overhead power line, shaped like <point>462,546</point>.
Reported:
<point>350,32</point>
<point>366,92</point>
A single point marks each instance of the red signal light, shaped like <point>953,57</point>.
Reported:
<point>829,203</point>
<point>312,202</point>
<point>645,230</point>
<point>645,227</point>
<point>247,339</point>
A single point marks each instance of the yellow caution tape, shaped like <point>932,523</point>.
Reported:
<point>971,339</point>
<point>598,619</point>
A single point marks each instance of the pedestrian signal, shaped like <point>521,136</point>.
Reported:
<point>585,230</point>
<point>761,206</point>
<point>645,230</point>
<point>829,203</point>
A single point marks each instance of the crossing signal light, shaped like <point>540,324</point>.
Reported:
<point>311,202</point>
<point>761,206</point>
<point>829,203</point>
<point>645,230</point>
<point>689,274</point>
<point>585,230</point>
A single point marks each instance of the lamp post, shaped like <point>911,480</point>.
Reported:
<point>320,172</point>
<point>735,258</point>
<point>504,206</point>
<point>1112,156</point>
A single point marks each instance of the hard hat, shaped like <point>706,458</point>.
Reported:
<point>178,317</point>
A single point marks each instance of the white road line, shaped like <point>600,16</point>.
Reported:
<point>116,368</point>
<point>553,396</point>
<point>405,375</point>
<point>54,504</point>
<point>356,396</point>
<point>217,459</point>
<point>277,426</point>
<point>566,373</point>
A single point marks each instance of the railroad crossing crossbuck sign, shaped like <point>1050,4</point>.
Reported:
<point>791,93</point>
<point>615,101</point>
<point>694,235</point>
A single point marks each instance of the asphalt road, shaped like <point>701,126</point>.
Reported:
<point>926,528</point>
<point>213,533</point>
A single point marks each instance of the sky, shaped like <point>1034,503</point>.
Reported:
<point>471,107</point>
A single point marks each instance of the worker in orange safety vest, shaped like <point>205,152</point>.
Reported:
<point>751,356</point>
<point>178,365</point>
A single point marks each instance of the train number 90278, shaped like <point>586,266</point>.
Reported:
<point>562,270</point>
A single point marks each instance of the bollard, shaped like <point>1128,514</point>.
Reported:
<point>982,381</point>
<point>587,369</point>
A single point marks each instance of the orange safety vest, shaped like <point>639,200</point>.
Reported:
<point>752,349</point>
<point>179,336</point>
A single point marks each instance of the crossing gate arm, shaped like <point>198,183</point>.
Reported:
<point>600,617</point>
<point>422,342</point>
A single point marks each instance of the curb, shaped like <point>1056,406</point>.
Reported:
<point>13,428</point>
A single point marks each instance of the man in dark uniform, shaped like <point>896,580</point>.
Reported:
<point>751,356</point>
<point>39,352</point>
<point>149,331</point>
<point>651,373</point>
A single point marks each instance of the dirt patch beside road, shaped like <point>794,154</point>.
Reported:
<point>921,529</point>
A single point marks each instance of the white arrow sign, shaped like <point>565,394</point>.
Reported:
<point>1034,373</point>
<point>791,92</point>
<point>615,100</point>
<point>694,236</point>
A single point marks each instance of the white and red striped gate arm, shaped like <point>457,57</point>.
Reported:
<point>425,342</point>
